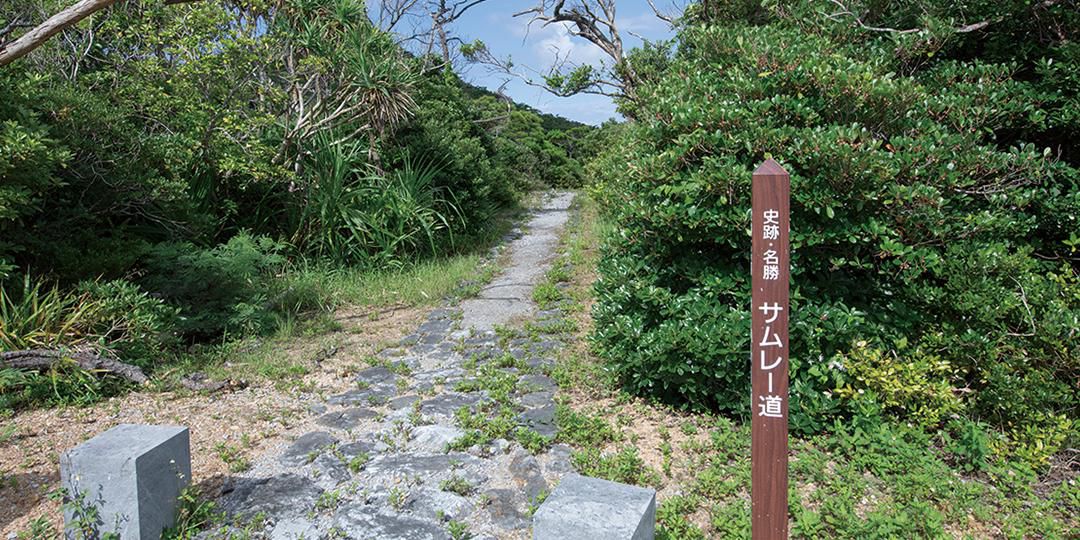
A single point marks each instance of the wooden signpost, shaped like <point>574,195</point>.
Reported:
<point>769,270</point>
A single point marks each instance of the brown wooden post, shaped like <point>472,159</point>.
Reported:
<point>769,271</point>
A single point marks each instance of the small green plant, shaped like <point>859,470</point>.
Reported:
<point>535,503</point>
<point>971,445</point>
<point>233,457</point>
<point>672,517</point>
<point>39,529</point>
<point>328,501</point>
<point>560,272</point>
<point>398,497</point>
<point>582,429</point>
<point>665,453</point>
<point>85,522</point>
<point>531,440</point>
<point>194,515</point>
<point>7,432</point>
<point>457,484</point>
<point>624,466</point>
<point>458,530</point>
<point>545,294</point>
<point>507,360</point>
<point>563,325</point>
<point>480,428</point>
<point>688,428</point>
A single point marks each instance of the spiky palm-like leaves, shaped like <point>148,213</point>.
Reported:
<point>41,317</point>
<point>354,214</point>
<point>343,76</point>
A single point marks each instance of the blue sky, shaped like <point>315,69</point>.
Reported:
<point>493,23</point>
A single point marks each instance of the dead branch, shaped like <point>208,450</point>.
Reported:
<point>846,12</point>
<point>443,14</point>
<point>670,19</point>
<point>595,24</point>
<point>45,359</point>
<point>34,38</point>
<point>201,382</point>
<point>391,12</point>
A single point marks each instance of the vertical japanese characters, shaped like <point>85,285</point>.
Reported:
<point>770,271</point>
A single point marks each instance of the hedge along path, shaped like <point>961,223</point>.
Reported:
<point>432,440</point>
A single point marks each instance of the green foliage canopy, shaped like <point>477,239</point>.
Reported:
<point>934,213</point>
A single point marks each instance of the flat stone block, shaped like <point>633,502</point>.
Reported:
<point>133,475</point>
<point>593,509</point>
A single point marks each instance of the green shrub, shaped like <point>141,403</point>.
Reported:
<point>218,290</point>
<point>923,213</point>
<point>911,384</point>
<point>129,322</point>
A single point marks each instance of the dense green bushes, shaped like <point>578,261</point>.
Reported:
<point>935,205</point>
<point>196,152</point>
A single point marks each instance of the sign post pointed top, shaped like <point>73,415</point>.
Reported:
<point>770,271</point>
<point>770,168</point>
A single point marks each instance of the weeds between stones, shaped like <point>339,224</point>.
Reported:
<point>458,485</point>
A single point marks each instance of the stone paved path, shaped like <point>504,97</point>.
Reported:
<point>509,296</point>
<point>426,445</point>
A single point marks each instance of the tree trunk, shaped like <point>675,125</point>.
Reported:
<point>35,37</point>
<point>42,359</point>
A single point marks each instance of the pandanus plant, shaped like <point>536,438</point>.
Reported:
<point>344,76</point>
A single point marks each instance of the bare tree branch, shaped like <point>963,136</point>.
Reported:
<point>9,52</point>
<point>44,359</point>
<point>661,15</point>
<point>846,12</point>
<point>443,14</point>
<point>391,12</point>
<point>594,21</point>
<point>21,46</point>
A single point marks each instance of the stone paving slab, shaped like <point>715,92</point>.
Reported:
<point>583,508</point>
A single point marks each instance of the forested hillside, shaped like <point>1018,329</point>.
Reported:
<point>165,168</point>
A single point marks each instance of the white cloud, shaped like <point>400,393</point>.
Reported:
<point>642,23</point>
<point>555,42</point>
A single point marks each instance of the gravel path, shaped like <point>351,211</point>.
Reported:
<point>427,444</point>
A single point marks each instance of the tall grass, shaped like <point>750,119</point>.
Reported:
<point>419,283</point>
<point>352,215</point>
<point>39,316</point>
<point>36,316</point>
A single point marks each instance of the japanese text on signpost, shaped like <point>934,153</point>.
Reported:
<point>769,268</point>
